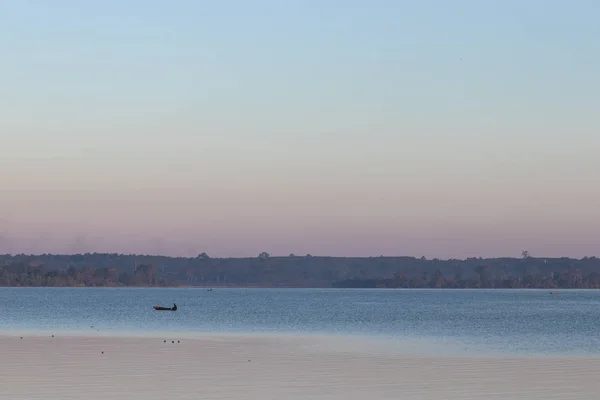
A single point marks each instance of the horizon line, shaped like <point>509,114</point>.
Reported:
<point>292,255</point>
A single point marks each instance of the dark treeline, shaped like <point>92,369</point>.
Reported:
<point>297,271</point>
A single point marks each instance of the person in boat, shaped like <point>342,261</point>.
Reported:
<point>174,307</point>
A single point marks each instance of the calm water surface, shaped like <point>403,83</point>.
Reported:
<point>509,321</point>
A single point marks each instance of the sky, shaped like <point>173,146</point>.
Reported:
<point>345,128</point>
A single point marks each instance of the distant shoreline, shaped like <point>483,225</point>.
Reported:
<point>265,271</point>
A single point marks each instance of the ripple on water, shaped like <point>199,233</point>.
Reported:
<point>472,321</point>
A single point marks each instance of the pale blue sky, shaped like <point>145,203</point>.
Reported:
<point>437,128</point>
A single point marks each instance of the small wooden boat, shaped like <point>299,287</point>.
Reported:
<point>159,308</point>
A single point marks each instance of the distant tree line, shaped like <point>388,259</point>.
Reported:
<point>95,269</point>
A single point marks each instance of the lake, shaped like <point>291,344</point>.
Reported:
<point>499,321</point>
